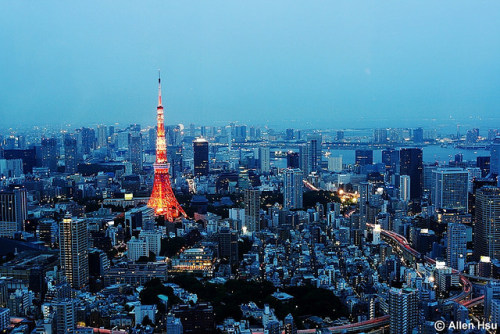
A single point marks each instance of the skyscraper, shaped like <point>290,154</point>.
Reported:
<point>364,157</point>
<point>292,160</point>
<point>293,189</point>
<point>483,163</point>
<point>50,153</point>
<point>456,246</point>
<point>228,246</point>
<point>13,211</point>
<point>74,248</point>
<point>404,188</point>
<point>305,159</point>
<point>495,157</point>
<point>450,188</point>
<point>390,158</point>
<point>315,151</point>
<point>251,201</point>
<point>135,151</point>
<point>403,310</point>
<point>335,164</point>
<point>200,155</point>
<point>70,155</point>
<point>487,223</point>
<point>411,164</point>
<point>264,159</point>
<point>102,136</point>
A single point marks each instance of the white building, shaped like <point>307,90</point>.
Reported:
<point>137,248</point>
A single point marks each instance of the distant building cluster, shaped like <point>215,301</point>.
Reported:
<point>126,229</point>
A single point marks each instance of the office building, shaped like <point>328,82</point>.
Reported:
<point>487,223</point>
<point>410,163</point>
<point>403,310</point>
<point>137,248</point>
<point>450,189</point>
<point>390,158</point>
<point>335,164</point>
<point>495,157</point>
<point>404,188</point>
<point>315,151</point>
<point>74,245</point>
<point>228,246</point>
<point>251,201</point>
<point>13,210</point>
<point>135,151</point>
<point>305,159</point>
<point>65,313</point>
<point>456,246</point>
<point>264,159</point>
<point>292,160</point>
<point>200,155</point>
<point>483,163</point>
<point>363,157</point>
<point>293,189</point>
<point>70,155</point>
<point>50,153</point>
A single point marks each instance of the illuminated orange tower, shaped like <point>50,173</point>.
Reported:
<point>162,198</point>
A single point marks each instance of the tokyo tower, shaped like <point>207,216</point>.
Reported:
<point>162,198</point>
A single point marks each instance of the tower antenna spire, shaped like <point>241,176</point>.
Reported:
<point>159,89</point>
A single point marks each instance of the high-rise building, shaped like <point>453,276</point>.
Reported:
<point>293,189</point>
<point>403,310</point>
<point>251,200</point>
<point>292,160</point>
<point>135,151</point>
<point>474,173</point>
<point>456,246</point>
<point>162,197</point>
<point>404,188</point>
<point>28,157</point>
<point>70,155</point>
<point>491,293</point>
<point>200,154</point>
<point>65,312</point>
<point>315,151</point>
<point>102,136</point>
<point>487,223</point>
<point>335,164</point>
<point>13,211</point>
<point>410,162</point>
<point>305,159</point>
<point>50,153</point>
<point>87,136</point>
<point>418,135</point>
<point>450,188</point>
<point>483,163</point>
<point>390,158</point>
<point>364,157</point>
<point>137,248</point>
<point>152,139</point>
<point>495,157</point>
<point>264,159</point>
<point>73,248</point>
<point>228,246</point>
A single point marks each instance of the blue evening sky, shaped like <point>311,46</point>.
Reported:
<point>283,63</point>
